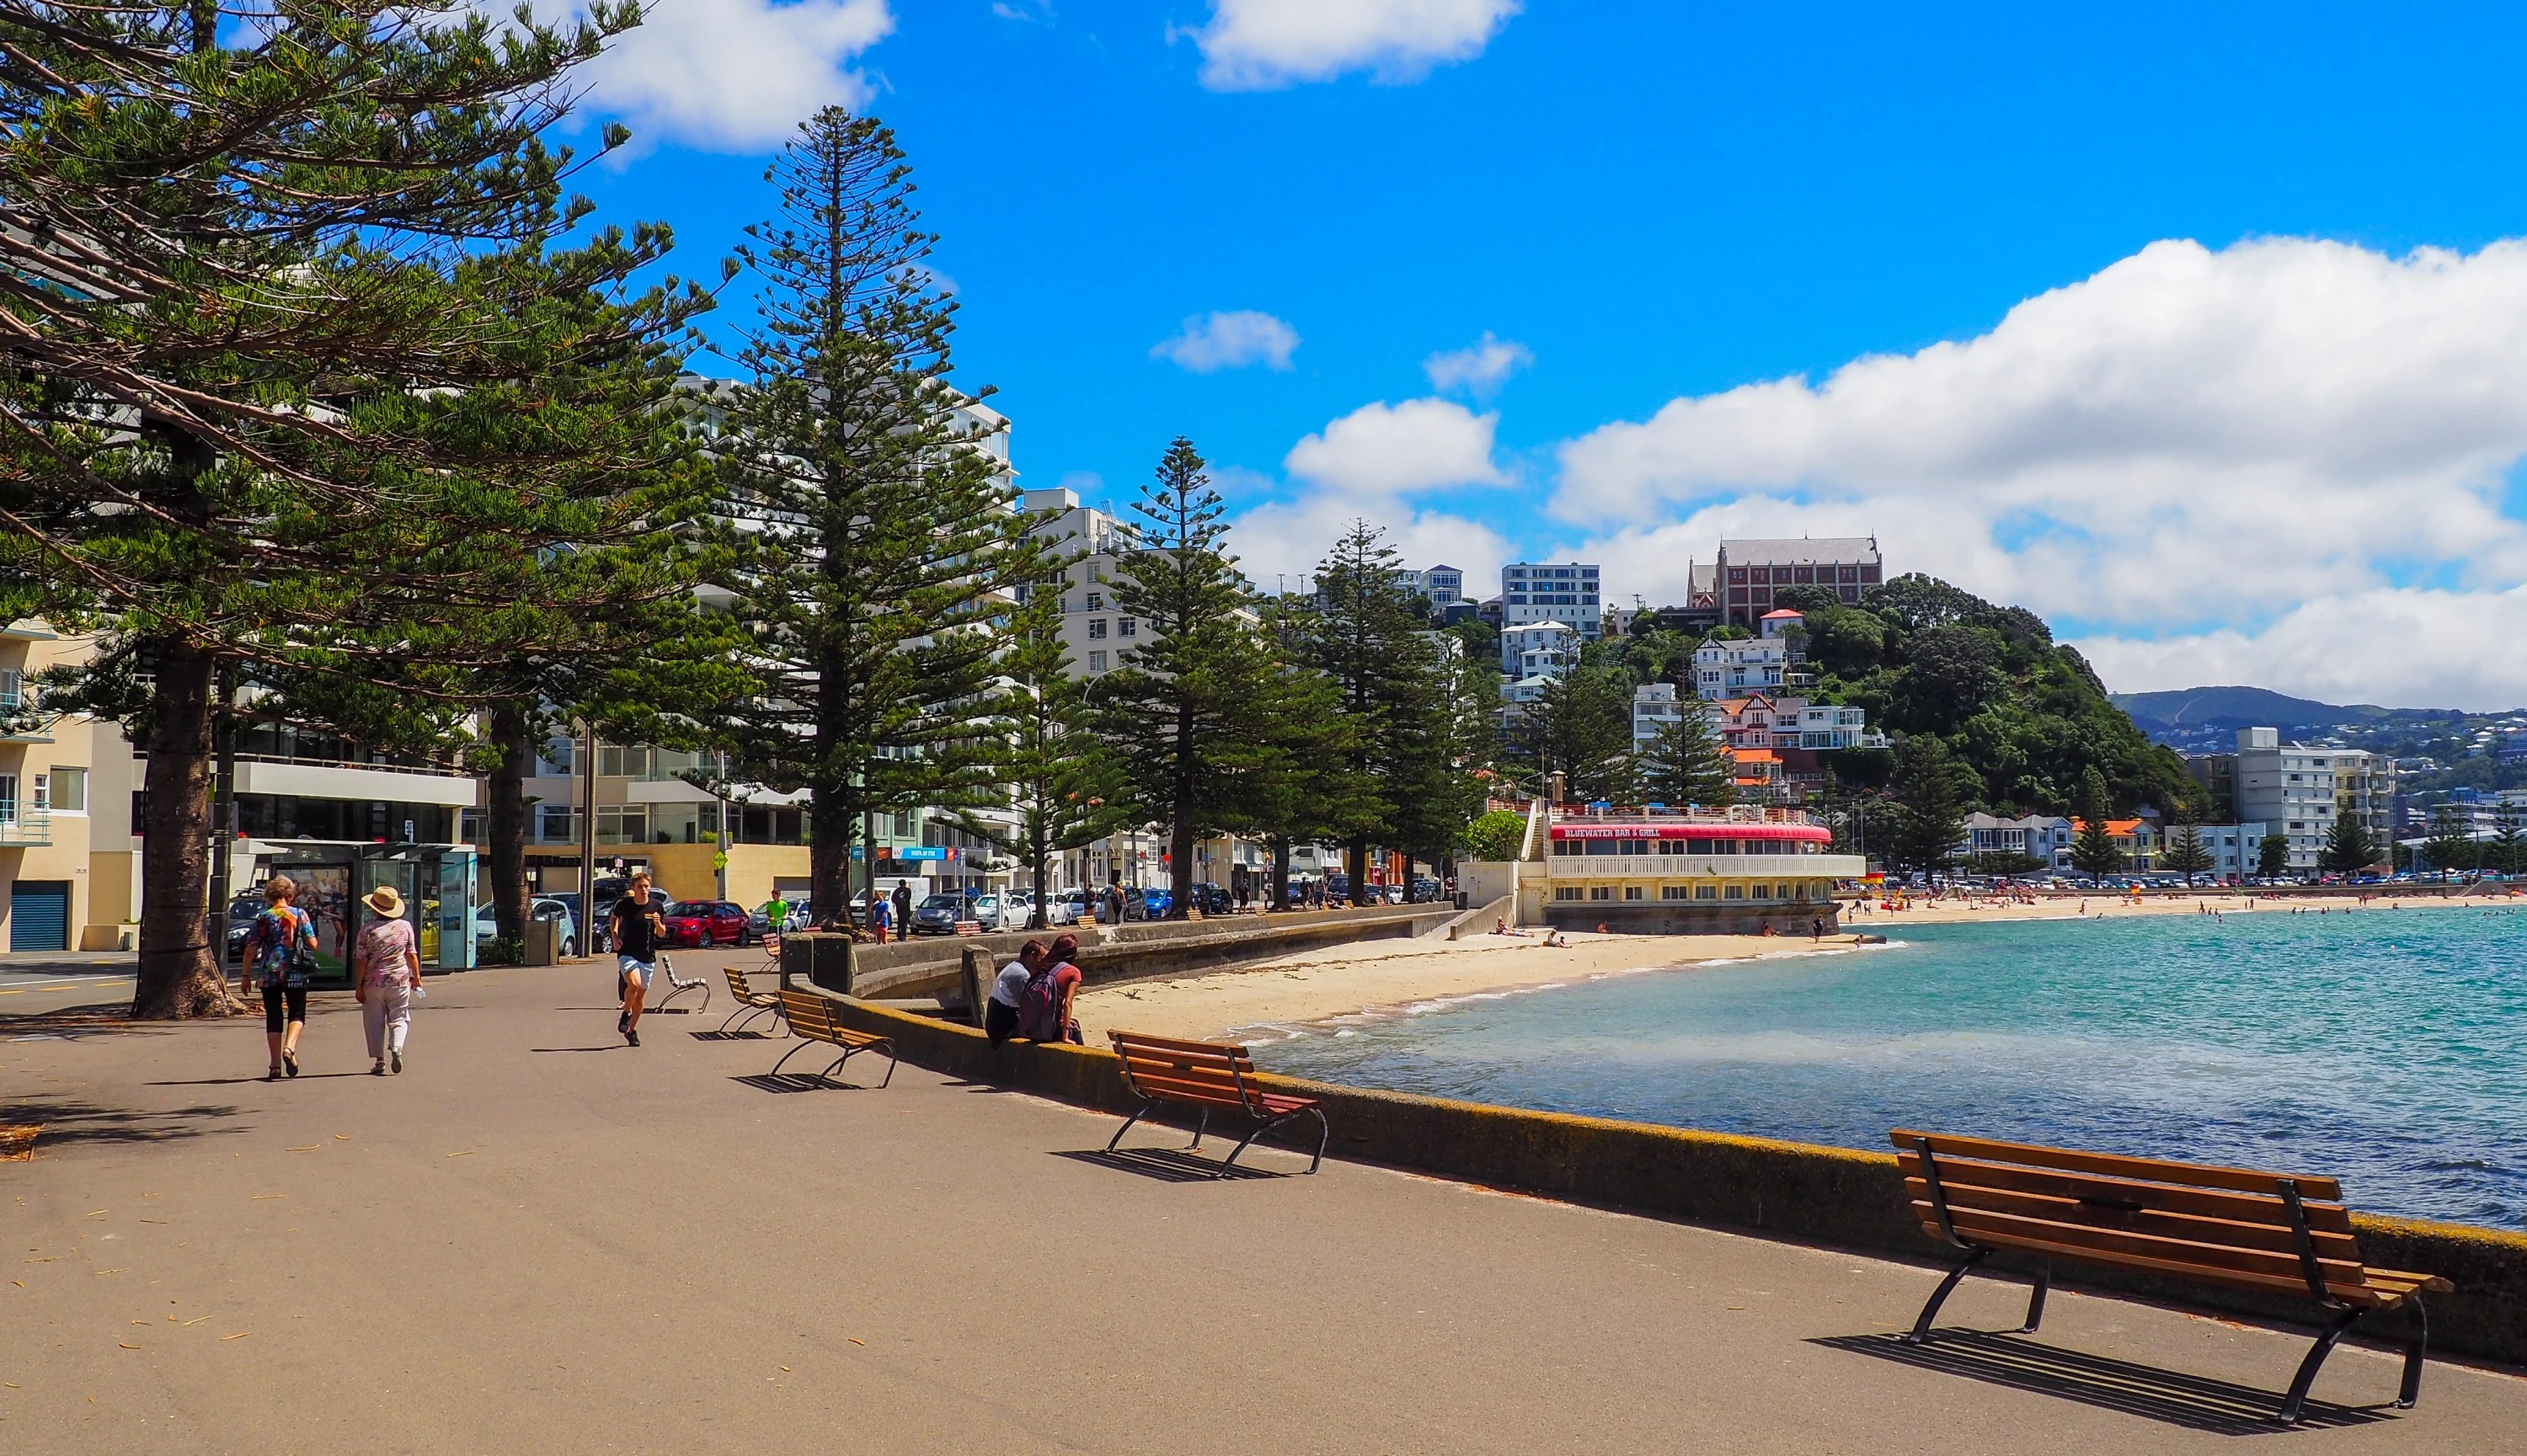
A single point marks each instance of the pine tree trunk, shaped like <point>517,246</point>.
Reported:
<point>829,854</point>
<point>1280,872</point>
<point>508,823</point>
<point>1180,832</point>
<point>1039,850</point>
<point>180,972</point>
<point>1355,870</point>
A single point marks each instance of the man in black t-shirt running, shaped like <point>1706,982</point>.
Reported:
<point>636,929</point>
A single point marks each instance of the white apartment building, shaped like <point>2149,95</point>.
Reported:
<point>2236,849</point>
<point>2297,790</point>
<point>1542,649</point>
<point>1742,669</point>
<point>1562,593</point>
<point>1654,707</point>
<point>2042,837</point>
<point>1095,630</point>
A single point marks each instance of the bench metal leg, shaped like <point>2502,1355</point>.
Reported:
<point>1146,1105</point>
<point>1199,1128</point>
<point>1323,1133</point>
<point>742,1015</point>
<point>2308,1368</point>
<point>804,1045</point>
<point>848,1052</point>
<point>2414,1349</point>
<point>2036,1301</point>
<point>1939,1296</point>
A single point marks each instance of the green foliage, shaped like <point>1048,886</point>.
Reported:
<point>1182,709</point>
<point>1497,835</point>
<point>1581,728</point>
<point>2272,856</point>
<point>2187,854</point>
<point>1686,762</point>
<point>1062,783</point>
<point>2093,848</point>
<point>2451,847</point>
<point>2348,849</point>
<point>871,530</point>
<point>1932,794</point>
<point>2025,715</point>
<point>2507,851</point>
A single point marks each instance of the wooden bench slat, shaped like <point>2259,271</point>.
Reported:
<point>1185,1062</point>
<point>2367,1296</point>
<point>2111,1245</point>
<point>2273,1237</point>
<point>1189,1091</point>
<point>1170,1044</point>
<point>2110,1165</point>
<point>1226,1077</point>
<point>1961,1173</point>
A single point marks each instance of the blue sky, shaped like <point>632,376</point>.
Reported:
<point>2209,460</point>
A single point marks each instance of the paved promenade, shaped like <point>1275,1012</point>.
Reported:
<point>539,1241</point>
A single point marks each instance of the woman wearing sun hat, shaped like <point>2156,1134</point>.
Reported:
<point>387,969</point>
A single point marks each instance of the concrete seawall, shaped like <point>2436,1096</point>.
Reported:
<point>1787,1189</point>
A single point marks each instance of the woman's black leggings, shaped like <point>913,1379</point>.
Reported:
<point>275,997</point>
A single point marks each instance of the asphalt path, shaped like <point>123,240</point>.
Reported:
<point>538,1239</point>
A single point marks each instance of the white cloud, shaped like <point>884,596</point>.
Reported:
<point>2189,440</point>
<point>1382,449</point>
<point>1282,542</point>
<point>1253,45</point>
<point>2413,648</point>
<point>1230,341</point>
<point>735,76</point>
<point>1479,369</point>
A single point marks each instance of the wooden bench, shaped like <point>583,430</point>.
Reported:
<point>750,1003</point>
<point>818,1019</point>
<point>2230,1227</point>
<point>1205,1076</point>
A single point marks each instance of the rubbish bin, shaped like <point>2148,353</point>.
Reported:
<point>542,945</point>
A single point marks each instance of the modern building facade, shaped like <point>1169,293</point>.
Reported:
<point>2297,790</point>
<point>1566,592</point>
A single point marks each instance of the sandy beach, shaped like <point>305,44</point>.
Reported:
<point>1381,977</point>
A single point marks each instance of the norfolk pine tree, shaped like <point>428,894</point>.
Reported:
<point>1364,636</point>
<point>1686,762</point>
<point>1183,711</point>
<point>1933,793</point>
<point>231,271</point>
<point>2186,853</point>
<point>2348,849</point>
<point>1058,776</point>
<point>874,537</point>
<point>2272,856</point>
<point>2093,848</point>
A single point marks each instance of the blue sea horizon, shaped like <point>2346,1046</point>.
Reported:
<point>2384,1048</point>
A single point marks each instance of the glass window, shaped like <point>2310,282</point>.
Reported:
<point>1566,893</point>
<point>44,791</point>
<point>1673,891</point>
<point>1632,892</point>
<point>1736,892</point>
<point>1097,662</point>
<point>1703,892</point>
<point>69,791</point>
<point>1096,628</point>
<point>1096,601</point>
<point>1601,892</point>
<point>1127,627</point>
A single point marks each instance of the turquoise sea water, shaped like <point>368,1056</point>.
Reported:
<point>2386,1048</point>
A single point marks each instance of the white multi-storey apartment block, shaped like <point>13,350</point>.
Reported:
<point>1566,593</point>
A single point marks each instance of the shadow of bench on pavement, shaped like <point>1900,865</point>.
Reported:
<point>2196,1402</point>
<point>1169,1165</point>
<point>798,1082</point>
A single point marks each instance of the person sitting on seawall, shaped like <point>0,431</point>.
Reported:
<point>1051,995</point>
<point>1008,993</point>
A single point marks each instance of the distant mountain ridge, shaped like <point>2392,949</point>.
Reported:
<point>2241,707</point>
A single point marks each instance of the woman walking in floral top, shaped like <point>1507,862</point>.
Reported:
<point>387,969</point>
<point>273,964</point>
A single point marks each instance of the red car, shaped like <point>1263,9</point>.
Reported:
<point>698,923</point>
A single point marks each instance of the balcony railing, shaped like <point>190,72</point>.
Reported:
<point>24,827</point>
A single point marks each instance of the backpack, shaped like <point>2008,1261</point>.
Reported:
<point>1036,1009</point>
<point>302,952</point>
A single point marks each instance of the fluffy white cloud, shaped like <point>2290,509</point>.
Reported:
<point>1380,449</point>
<point>735,75</point>
<point>2405,648</point>
<point>1479,369</point>
<point>1230,341</point>
<point>1258,44</point>
<point>2279,432</point>
<point>1281,542</point>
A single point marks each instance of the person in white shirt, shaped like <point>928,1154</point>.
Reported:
<point>1008,992</point>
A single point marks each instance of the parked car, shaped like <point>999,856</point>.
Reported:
<point>1002,910</point>
<point>939,915</point>
<point>1155,903</point>
<point>1064,907</point>
<point>241,913</point>
<point>1211,899</point>
<point>700,923</point>
<point>541,907</point>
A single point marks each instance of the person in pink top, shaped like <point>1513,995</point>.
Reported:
<point>386,967</point>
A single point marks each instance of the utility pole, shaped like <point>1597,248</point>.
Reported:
<point>588,833</point>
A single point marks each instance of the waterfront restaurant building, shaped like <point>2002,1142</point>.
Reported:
<point>1736,871</point>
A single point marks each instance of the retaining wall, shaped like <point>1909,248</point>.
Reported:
<point>1792,1190</point>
